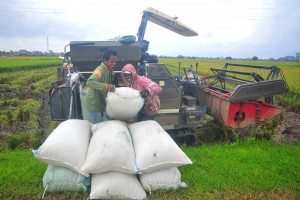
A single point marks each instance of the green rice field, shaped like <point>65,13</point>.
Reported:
<point>241,170</point>
<point>9,64</point>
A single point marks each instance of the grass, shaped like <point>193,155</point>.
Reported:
<point>222,171</point>
<point>234,171</point>
<point>249,166</point>
<point>21,175</point>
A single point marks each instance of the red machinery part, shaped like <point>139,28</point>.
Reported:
<point>238,114</point>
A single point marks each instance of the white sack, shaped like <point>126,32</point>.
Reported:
<point>61,179</point>
<point>164,179</point>
<point>110,149</point>
<point>67,145</point>
<point>116,185</point>
<point>124,103</point>
<point>154,148</point>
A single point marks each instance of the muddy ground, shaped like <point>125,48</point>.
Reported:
<point>289,130</point>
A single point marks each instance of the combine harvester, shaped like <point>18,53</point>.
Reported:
<point>237,95</point>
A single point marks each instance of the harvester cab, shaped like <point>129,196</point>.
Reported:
<point>185,99</point>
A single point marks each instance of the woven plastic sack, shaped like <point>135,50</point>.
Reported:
<point>61,179</point>
<point>116,185</point>
<point>110,149</point>
<point>123,104</point>
<point>154,148</point>
<point>67,145</point>
<point>165,179</point>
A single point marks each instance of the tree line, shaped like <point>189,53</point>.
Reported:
<point>30,53</point>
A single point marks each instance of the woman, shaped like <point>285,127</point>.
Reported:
<point>149,90</point>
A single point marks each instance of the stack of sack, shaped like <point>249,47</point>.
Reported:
<point>64,151</point>
<point>123,161</point>
<point>118,152</point>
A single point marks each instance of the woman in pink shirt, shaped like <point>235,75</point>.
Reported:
<point>149,90</point>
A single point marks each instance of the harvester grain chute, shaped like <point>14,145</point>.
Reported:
<point>230,95</point>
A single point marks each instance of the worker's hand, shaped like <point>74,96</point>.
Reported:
<point>111,88</point>
<point>144,93</point>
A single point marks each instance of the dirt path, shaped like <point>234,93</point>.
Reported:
<point>289,130</point>
<point>44,115</point>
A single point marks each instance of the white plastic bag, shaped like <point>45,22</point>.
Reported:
<point>61,179</point>
<point>116,185</point>
<point>67,145</point>
<point>110,149</point>
<point>123,104</point>
<point>165,179</point>
<point>154,148</point>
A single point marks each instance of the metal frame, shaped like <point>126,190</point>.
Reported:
<point>221,75</point>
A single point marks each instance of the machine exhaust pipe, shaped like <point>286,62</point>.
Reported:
<point>179,69</point>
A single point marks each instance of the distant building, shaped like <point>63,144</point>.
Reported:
<point>287,58</point>
<point>22,52</point>
<point>298,57</point>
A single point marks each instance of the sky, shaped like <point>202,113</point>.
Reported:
<point>236,28</point>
